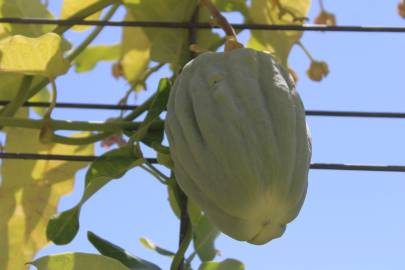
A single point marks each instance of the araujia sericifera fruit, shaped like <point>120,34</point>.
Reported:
<point>239,142</point>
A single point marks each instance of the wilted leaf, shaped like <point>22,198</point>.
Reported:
<point>25,9</point>
<point>228,264</point>
<point>168,45</point>
<point>70,7</point>
<point>63,227</point>
<point>279,43</point>
<point>34,56</point>
<point>135,51</point>
<point>108,249</point>
<point>29,194</point>
<point>77,261</point>
<point>204,236</point>
<point>89,58</point>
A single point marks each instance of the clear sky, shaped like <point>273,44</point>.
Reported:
<point>350,220</point>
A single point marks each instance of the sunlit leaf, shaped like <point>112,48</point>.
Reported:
<point>152,246</point>
<point>204,236</point>
<point>70,7</point>
<point>63,227</point>
<point>77,261</point>
<point>25,9</point>
<point>135,51</point>
<point>3,31</point>
<point>228,264</point>
<point>35,56</point>
<point>89,58</point>
<point>41,96</point>
<point>279,43</point>
<point>108,249</point>
<point>232,5</point>
<point>29,194</point>
<point>168,45</point>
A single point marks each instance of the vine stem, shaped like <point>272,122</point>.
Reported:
<point>109,126</point>
<point>305,51</point>
<point>219,18</point>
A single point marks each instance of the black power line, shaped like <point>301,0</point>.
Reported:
<point>97,106</point>
<point>188,25</point>
<point>315,166</point>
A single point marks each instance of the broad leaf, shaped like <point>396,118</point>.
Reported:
<point>204,235</point>
<point>89,58</point>
<point>228,264</point>
<point>34,56</point>
<point>135,52</point>
<point>110,250</point>
<point>70,7</point>
<point>279,43</point>
<point>25,9</point>
<point>63,227</point>
<point>29,194</point>
<point>168,45</point>
<point>77,261</point>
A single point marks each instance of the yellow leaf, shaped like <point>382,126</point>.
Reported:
<point>79,261</point>
<point>279,43</point>
<point>135,51</point>
<point>25,9</point>
<point>3,32</point>
<point>34,56</point>
<point>29,194</point>
<point>168,45</point>
<point>70,7</point>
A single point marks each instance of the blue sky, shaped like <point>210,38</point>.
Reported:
<point>350,220</point>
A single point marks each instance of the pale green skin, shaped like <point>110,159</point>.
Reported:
<point>239,142</point>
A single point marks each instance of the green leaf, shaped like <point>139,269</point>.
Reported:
<point>194,211</point>
<point>110,250</point>
<point>63,227</point>
<point>89,58</point>
<point>204,235</point>
<point>206,38</point>
<point>157,106</point>
<point>25,9</point>
<point>135,52</point>
<point>279,43</point>
<point>29,193</point>
<point>33,56</point>
<point>168,45</point>
<point>77,261</point>
<point>152,246</point>
<point>112,165</point>
<point>152,138</point>
<point>228,264</point>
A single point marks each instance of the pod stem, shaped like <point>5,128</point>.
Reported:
<point>231,41</point>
